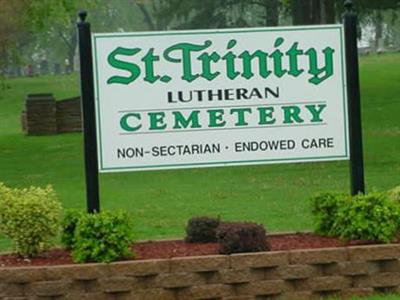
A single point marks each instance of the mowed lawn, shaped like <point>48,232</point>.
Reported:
<point>162,201</point>
<point>377,297</point>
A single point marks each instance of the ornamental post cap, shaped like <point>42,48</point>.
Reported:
<point>348,4</point>
<point>82,15</point>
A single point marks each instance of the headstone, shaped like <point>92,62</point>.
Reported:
<point>44,67</point>
<point>57,69</point>
<point>29,71</point>
<point>18,71</point>
<point>67,66</point>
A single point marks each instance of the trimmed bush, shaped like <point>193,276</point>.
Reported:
<point>237,237</point>
<point>102,237</point>
<point>68,225</point>
<point>325,207</point>
<point>371,217</point>
<point>201,230</point>
<point>394,194</point>
<point>30,218</point>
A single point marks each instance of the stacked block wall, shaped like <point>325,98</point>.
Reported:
<point>300,274</point>
<point>44,115</point>
<point>69,115</point>
<point>40,114</point>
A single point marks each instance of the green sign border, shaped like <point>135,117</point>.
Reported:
<point>95,37</point>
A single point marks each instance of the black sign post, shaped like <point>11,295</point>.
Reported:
<point>89,119</point>
<point>353,95</point>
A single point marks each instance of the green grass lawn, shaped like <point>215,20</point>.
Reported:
<point>162,201</point>
<point>377,297</point>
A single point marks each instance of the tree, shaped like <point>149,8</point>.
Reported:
<point>272,12</point>
<point>57,20</point>
<point>33,30</point>
<point>305,12</point>
<point>371,13</point>
<point>193,14</point>
<point>12,31</point>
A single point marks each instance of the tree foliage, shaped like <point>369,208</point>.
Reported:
<point>220,14</point>
<point>36,30</point>
<point>12,30</point>
<point>57,20</point>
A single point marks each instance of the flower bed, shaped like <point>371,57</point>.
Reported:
<point>287,274</point>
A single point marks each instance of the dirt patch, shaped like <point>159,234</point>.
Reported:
<point>179,248</point>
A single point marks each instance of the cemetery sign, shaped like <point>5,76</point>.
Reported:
<point>220,97</point>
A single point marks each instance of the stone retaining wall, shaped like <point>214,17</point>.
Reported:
<point>44,115</point>
<point>300,274</point>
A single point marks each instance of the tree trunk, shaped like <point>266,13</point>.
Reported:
<point>301,12</point>
<point>71,50</point>
<point>378,20</point>
<point>147,17</point>
<point>305,12</point>
<point>323,12</point>
<point>71,57</point>
<point>272,12</point>
<point>328,13</point>
<point>315,11</point>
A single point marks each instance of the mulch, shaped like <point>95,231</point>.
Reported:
<point>179,248</point>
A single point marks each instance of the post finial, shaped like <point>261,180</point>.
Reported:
<point>348,4</point>
<point>82,15</point>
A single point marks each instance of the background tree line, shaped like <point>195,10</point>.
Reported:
<point>43,32</point>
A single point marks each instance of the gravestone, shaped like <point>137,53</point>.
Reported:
<point>44,67</point>
<point>57,69</point>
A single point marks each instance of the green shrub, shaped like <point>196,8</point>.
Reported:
<point>325,207</point>
<point>102,237</point>
<point>372,217</point>
<point>394,194</point>
<point>202,230</point>
<point>30,218</point>
<point>237,237</point>
<point>68,226</point>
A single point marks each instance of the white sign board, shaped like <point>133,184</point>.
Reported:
<point>220,97</point>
